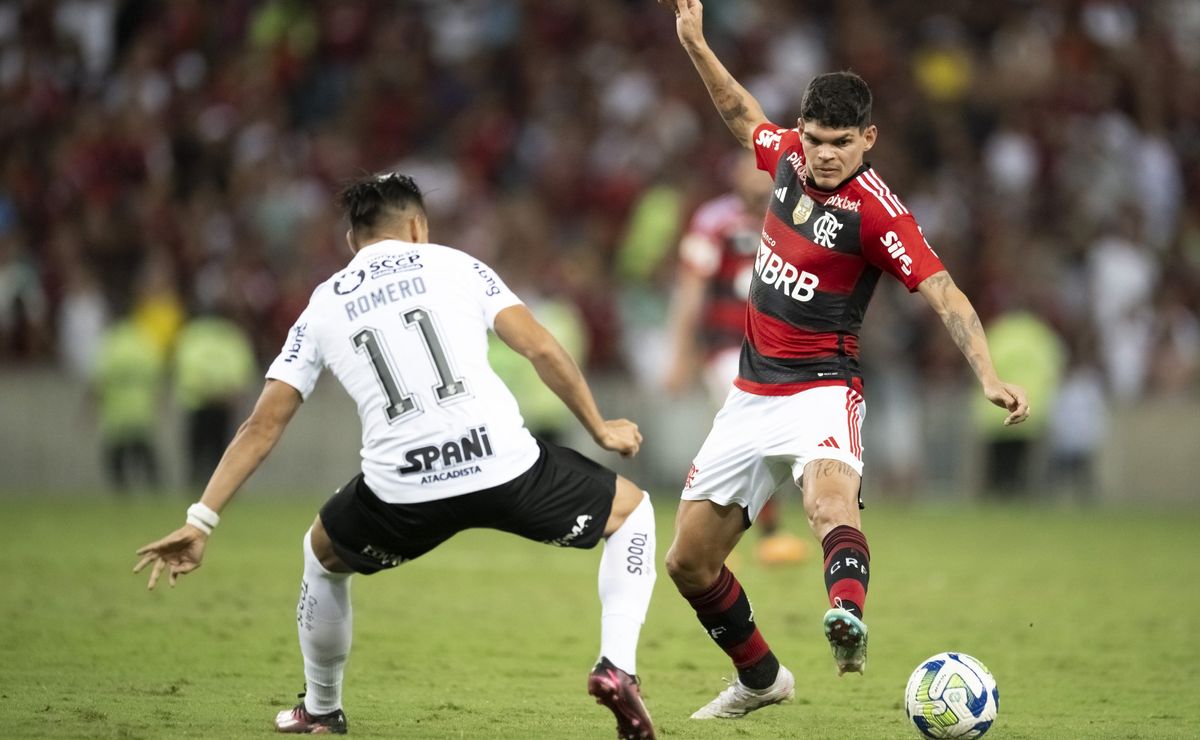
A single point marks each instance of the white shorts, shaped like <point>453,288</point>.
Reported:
<point>759,444</point>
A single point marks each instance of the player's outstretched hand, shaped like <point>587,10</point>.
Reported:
<point>1011,397</point>
<point>179,552</point>
<point>689,16</point>
<point>620,435</point>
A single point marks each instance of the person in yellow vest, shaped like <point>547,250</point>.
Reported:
<point>1029,352</point>
<point>126,385</point>
<point>546,417</point>
<point>214,368</point>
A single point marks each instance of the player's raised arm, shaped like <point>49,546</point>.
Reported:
<point>181,551</point>
<point>518,328</point>
<point>965,328</point>
<point>740,111</point>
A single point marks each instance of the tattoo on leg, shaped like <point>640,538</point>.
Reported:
<point>829,468</point>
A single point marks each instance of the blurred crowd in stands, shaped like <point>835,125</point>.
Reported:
<point>161,161</point>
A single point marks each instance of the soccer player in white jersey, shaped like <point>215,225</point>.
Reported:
<point>404,329</point>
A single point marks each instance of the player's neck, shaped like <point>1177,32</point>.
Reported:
<point>388,235</point>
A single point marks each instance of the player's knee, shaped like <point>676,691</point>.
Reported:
<point>691,572</point>
<point>627,498</point>
<point>322,549</point>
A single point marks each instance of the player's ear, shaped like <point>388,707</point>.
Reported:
<point>418,227</point>
<point>869,135</point>
<point>350,241</point>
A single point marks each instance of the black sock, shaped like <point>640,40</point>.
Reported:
<point>847,563</point>
<point>762,674</point>
<point>724,610</point>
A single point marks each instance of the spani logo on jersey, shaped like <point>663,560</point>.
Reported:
<point>449,459</point>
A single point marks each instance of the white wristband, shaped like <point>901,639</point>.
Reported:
<point>202,518</point>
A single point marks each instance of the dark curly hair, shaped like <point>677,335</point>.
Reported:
<point>367,200</point>
<point>837,100</point>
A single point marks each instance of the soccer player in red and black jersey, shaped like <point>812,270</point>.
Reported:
<point>708,313</point>
<point>794,419</point>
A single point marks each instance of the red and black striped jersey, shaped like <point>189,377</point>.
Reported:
<point>720,245</point>
<point>819,258</point>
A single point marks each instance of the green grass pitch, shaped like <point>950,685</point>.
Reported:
<point>1089,620</point>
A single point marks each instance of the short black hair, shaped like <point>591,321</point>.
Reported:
<point>369,199</point>
<point>837,100</point>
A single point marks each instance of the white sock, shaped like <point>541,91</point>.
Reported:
<point>324,619</point>
<point>626,581</point>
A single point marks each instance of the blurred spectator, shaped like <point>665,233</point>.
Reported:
<point>23,309</point>
<point>82,317</point>
<point>127,386</point>
<point>1123,274</point>
<point>214,369</point>
<point>186,148</point>
<point>1078,421</point>
<point>1027,351</point>
<point>708,313</point>
<point>545,415</point>
<point>157,308</point>
<point>708,301</point>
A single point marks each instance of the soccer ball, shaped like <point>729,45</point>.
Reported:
<point>951,695</point>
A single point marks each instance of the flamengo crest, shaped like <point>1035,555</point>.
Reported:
<point>825,229</point>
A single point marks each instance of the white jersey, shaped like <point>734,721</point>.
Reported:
<point>404,329</point>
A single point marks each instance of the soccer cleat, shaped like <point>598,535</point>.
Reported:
<point>739,700</point>
<point>617,690</point>
<point>298,721</point>
<point>847,635</point>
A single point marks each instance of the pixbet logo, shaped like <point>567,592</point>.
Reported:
<point>844,203</point>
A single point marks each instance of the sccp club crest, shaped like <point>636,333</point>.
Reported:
<point>349,281</point>
<point>803,210</point>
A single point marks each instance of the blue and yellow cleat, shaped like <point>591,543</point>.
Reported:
<point>847,635</point>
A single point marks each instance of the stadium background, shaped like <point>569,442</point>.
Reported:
<point>165,159</point>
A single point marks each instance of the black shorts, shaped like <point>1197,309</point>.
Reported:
<point>564,500</point>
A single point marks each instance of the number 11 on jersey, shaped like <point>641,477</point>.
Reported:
<point>399,401</point>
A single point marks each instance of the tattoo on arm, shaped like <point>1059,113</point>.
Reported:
<point>729,103</point>
<point>940,281</point>
<point>964,330</point>
<point>960,319</point>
